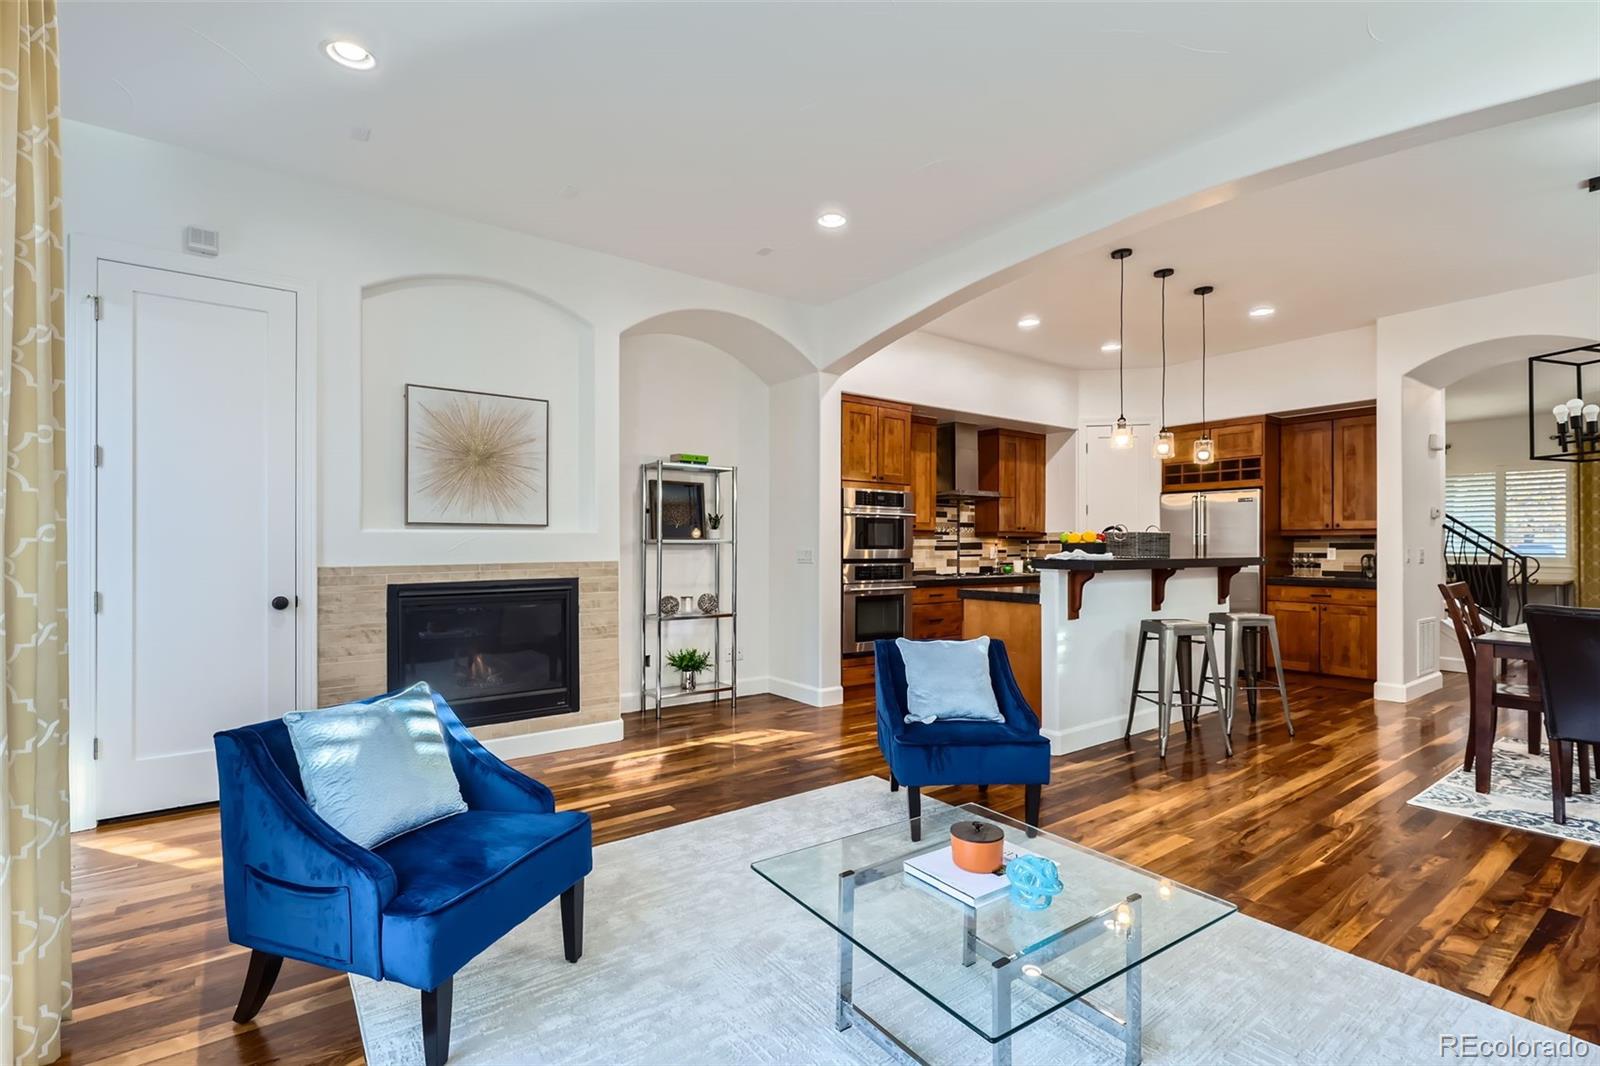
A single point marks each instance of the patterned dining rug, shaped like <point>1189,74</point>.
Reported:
<point>1519,796</point>
<point>690,957</point>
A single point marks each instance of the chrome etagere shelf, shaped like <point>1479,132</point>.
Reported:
<point>722,490</point>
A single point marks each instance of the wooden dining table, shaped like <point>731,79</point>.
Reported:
<point>1511,643</point>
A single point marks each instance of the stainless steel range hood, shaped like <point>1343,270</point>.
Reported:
<point>958,464</point>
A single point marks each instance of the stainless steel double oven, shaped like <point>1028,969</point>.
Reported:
<point>876,553</point>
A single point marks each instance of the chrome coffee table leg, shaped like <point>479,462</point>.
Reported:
<point>1133,1009</point>
<point>847,913</point>
<point>1000,1010</point>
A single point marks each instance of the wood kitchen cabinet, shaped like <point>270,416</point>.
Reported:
<point>1328,474</point>
<point>1323,630</point>
<point>925,473</point>
<point>1299,634</point>
<point>1305,481</point>
<point>1238,444</point>
<point>1355,472</point>
<point>1012,464</point>
<point>1348,640</point>
<point>874,441</point>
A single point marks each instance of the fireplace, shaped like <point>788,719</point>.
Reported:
<point>499,651</point>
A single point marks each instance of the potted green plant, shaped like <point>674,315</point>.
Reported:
<point>714,520</point>
<point>689,662</point>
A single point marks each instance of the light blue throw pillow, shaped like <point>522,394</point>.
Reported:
<point>948,681</point>
<point>376,770</point>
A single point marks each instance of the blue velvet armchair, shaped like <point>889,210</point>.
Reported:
<point>1012,752</point>
<point>414,909</point>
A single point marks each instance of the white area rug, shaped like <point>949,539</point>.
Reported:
<point>690,957</point>
<point>1519,796</point>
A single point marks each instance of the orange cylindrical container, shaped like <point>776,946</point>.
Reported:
<point>977,847</point>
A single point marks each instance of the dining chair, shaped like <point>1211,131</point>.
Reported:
<point>1566,648</point>
<point>1468,623</point>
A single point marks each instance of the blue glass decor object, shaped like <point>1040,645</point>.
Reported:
<point>1035,881</point>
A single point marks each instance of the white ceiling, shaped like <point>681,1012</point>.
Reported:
<point>1477,214</point>
<point>1497,392</point>
<point>694,135</point>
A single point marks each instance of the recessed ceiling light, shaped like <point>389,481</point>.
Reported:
<point>1263,311</point>
<point>349,54</point>
<point>1028,322</point>
<point>831,220</point>
<point>1111,346</point>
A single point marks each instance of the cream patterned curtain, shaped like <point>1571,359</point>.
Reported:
<point>35,889</point>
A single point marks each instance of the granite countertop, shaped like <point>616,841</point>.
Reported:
<point>1000,595</point>
<point>1111,562</point>
<point>1355,581</point>
<point>924,579</point>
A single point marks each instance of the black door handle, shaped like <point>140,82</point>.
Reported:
<point>280,603</point>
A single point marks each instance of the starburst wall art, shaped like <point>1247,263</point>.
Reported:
<point>476,458</point>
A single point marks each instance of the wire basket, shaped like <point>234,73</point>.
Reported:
<point>1148,544</point>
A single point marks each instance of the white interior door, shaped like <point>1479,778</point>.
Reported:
<point>1121,486</point>
<point>195,527</point>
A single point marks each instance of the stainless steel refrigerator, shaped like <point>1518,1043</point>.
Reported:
<point>1219,523</point>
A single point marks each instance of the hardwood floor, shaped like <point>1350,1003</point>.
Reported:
<point>1313,835</point>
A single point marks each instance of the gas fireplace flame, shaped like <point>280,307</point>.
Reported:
<point>479,672</point>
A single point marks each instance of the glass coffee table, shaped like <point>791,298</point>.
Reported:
<point>999,967</point>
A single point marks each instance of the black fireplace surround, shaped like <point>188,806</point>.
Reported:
<point>499,651</point>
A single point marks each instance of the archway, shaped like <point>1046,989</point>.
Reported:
<point>719,384</point>
<point>1418,354</point>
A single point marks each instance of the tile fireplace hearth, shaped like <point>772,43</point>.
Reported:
<point>353,634</point>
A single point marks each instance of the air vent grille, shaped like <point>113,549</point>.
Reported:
<point>1427,645</point>
<point>201,241</point>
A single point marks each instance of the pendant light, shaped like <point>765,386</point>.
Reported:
<point>1165,445</point>
<point>1121,433</point>
<point>1205,450</point>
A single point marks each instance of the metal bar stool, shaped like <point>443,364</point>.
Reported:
<point>1241,649</point>
<point>1175,642</point>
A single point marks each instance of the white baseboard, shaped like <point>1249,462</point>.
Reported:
<point>542,743</point>
<point>831,696</point>
<point>1088,734</point>
<point>628,702</point>
<point>1453,663</point>
<point>1411,690</point>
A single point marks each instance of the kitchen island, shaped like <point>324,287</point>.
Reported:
<point>1090,610</point>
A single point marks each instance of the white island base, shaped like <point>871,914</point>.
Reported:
<point>1087,662</point>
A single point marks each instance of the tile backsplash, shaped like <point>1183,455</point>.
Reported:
<point>956,526</point>
<point>1335,555</point>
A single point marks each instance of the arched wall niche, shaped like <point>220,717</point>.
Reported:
<point>720,384</point>
<point>485,335</point>
<point>768,355</point>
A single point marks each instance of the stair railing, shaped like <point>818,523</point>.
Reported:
<point>1497,575</point>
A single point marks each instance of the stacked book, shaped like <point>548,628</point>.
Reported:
<point>938,870</point>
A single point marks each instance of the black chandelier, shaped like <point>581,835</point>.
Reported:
<point>1576,436</point>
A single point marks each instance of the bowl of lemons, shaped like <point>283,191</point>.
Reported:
<point>1085,541</point>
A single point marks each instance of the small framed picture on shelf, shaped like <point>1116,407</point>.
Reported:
<point>683,509</point>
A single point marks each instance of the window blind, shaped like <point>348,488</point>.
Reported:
<point>1536,511</point>
<point>1471,498</point>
